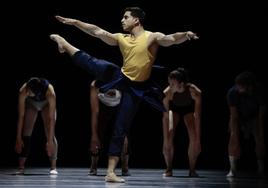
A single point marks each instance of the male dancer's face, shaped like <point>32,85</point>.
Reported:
<point>129,22</point>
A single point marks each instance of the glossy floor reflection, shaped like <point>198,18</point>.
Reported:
<point>78,177</point>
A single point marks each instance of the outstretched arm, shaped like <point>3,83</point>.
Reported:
<point>175,38</point>
<point>91,29</point>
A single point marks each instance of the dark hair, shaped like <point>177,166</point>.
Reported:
<point>137,13</point>
<point>246,78</point>
<point>180,74</point>
<point>36,85</point>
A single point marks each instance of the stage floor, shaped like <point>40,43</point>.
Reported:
<point>78,177</point>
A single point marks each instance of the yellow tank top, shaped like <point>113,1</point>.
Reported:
<point>137,60</point>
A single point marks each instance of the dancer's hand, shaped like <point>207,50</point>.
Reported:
<point>68,21</point>
<point>94,145</point>
<point>190,35</point>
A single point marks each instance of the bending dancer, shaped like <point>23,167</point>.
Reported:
<point>139,49</point>
<point>183,102</point>
<point>36,95</point>
<point>103,112</point>
<point>247,114</point>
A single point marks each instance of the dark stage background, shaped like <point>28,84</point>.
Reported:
<point>232,39</point>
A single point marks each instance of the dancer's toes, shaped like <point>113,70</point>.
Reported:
<point>59,40</point>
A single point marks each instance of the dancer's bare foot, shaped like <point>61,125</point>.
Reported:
<point>59,40</point>
<point>113,178</point>
<point>192,173</point>
<point>231,174</point>
<point>93,172</point>
<point>168,173</point>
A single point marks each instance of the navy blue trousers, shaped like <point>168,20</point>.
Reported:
<point>132,94</point>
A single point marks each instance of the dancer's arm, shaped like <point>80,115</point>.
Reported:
<point>91,29</point>
<point>21,112</point>
<point>175,38</point>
